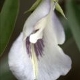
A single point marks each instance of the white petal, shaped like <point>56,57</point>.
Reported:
<point>41,11</point>
<point>58,28</point>
<point>19,61</point>
<point>54,62</point>
<point>50,31</point>
<point>55,28</point>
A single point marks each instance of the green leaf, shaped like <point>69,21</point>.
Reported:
<point>34,6</point>
<point>4,70</point>
<point>8,18</point>
<point>59,9</point>
<point>77,11</point>
<point>73,21</point>
<point>55,0</point>
<point>66,28</point>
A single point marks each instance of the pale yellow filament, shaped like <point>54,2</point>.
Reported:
<point>34,62</point>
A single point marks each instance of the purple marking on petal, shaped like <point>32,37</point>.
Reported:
<point>38,47</point>
<point>28,46</point>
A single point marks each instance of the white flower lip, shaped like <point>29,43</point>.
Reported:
<point>47,60</point>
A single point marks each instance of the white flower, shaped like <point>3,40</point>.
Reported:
<point>36,53</point>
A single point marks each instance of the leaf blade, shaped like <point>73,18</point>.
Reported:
<point>8,18</point>
<point>72,20</point>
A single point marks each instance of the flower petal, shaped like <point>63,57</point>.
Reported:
<point>19,62</point>
<point>41,11</point>
<point>54,62</point>
<point>54,27</point>
<point>58,28</point>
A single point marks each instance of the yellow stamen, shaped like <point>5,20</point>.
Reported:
<point>34,62</point>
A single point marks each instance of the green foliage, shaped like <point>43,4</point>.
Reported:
<point>59,9</point>
<point>8,17</point>
<point>73,20</point>
<point>34,6</point>
<point>5,73</point>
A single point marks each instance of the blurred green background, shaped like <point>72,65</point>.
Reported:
<point>72,29</point>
